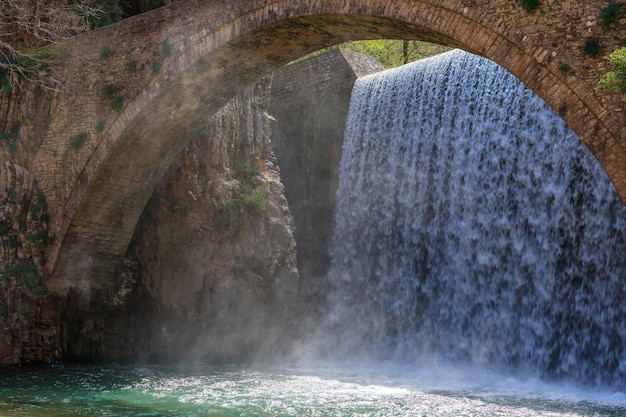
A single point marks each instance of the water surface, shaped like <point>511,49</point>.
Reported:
<point>296,391</point>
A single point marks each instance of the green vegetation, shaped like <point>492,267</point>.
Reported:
<point>257,199</point>
<point>245,169</point>
<point>224,211</point>
<point>393,53</point>
<point>202,133</point>
<point>531,6</point>
<point>12,137</point>
<point>15,128</point>
<point>33,32</point>
<point>592,47</point>
<point>564,68</point>
<point>131,65</point>
<point>100,127</point>
<point>221,224</point>
<point>105,53</point>
<point>76,141</point>
<point>5,82</point>
<point>610,14</point>
<point>167,49</point>
<point>156,67</point>
<point>19,231</point>
<point>615,81</point>
<point>108,92</point>
<point>117,104</point>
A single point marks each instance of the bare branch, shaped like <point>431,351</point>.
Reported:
<point>31,32</point>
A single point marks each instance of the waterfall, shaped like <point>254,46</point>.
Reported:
<point>473,227</point>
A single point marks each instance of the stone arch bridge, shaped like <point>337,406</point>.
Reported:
<point>134,91</point>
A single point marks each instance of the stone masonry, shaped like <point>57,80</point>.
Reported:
<point>136,106</point>
<point>310,102</point>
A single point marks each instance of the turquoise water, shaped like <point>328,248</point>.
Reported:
<point>238,391</point>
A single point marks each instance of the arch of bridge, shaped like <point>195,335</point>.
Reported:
<point>215,48</point>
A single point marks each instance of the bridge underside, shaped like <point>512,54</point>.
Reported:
<point>99,215</point>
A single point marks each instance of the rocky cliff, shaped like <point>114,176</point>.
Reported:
<point>216,241</point>
<point>211,271</point>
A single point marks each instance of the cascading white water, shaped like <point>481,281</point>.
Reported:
<point>472,226</point>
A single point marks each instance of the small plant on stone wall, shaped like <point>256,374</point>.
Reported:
<point>131,65</point>
<point>24,235</point>
<point>117,104</point>
<point>155,68</point>
<point>564,68</point>
<point>202,133</point>
<point>77,140</point>
<point>193,149</point>
<point>110,93</point>
<point>224,210</point>
<point>5,80</point>
<point>245,169</point>
<point>615,81</point>
<point>167,49</point>
<point>531,6</point>
<point>610,14</point>
<point>257,199</point>
<point>221,224</point>
<point>105,53</point>
<point>12,137</point>
<point>592,47</point>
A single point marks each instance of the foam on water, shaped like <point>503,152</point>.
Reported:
<point>118,391</point>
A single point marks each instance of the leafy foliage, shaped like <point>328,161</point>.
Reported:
<point>245,169</point>
<point>592,47</point>
<point>531,6</point>
<point>31,35</point>
<point>76,141</point>
<point>392,53</point>
<point>23,236</point>
<point>615,81</point>
<point>610,14</point>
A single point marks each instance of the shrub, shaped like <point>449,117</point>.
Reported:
<point>131,65</point>
<point>609,14</point>
<point>105,53</point>
<point>245,169</point>
<point>203,133</point>
<point>221,224</point>
<point>15,127</point>
<point>100,127</point>
<point>531,5</point>
<point>257,199</point>
<point>156,67</point>
<point>167,49</point>
<point>564,68</point>
<point>108,92</point>
<point>76,141</point>
<point>615,81</point>
<point>117,104</point>
<point>592,47</point>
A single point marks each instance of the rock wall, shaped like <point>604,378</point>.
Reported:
<point>211,271</point>
<point>29,329</point>
<point>217,239</point>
